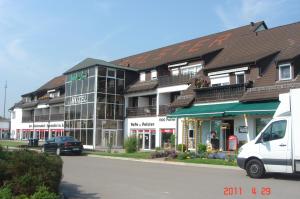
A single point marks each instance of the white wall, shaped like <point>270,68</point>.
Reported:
<point>164,98</point>
<point>16,122</point>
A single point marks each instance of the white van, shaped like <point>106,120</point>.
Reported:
<point>277,147</point>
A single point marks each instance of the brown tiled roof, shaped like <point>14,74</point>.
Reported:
<point>253,47</point>
<point>183,101</point>
<point>53,83</point>
<point>187,49</point>
<point>142,86</point>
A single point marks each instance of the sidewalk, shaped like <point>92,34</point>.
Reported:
<point>159,161</point>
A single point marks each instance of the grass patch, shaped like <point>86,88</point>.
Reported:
<point>137,155</point>
<point>12,143</point>
<point>208,161</point>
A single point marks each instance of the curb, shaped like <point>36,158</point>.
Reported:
<point>168,162</point>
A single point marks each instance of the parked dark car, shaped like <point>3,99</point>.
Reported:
<point>63,145</point>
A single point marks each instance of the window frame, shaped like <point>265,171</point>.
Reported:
<point>280,70</point>
<point>236,77</point>
<point>270,129</point>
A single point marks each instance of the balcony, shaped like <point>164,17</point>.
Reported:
<point>218,93</point>
<point>166,109</point>
<point>41,118</point>
<point>27,119</point>
<point>57,117</point>
<point>141,111</point>
<point>171,80</point>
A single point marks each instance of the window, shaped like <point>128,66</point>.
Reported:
<point>261,123</point>
<point>191,69</point>
<point>153,74</point>
<point>285,72</point>
<point>111,72</point>
<point>240,77</point>
<point>275,131</point>
<point>142,76</point>
<point>191,133</point>
<point>219,80</point>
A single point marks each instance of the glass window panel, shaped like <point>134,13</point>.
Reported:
<point>68,89</point>
<point>73,87</point>
<point>91,84</point>
<point>91,97</point>
<point>109,124</point>
<point>77,135</point>
<point>91,71</point>
<point>240,78</point>
<point>90,110</point>
<point>120,74</point>
<point>67,124</point>
<point>98,137</point>
<point>120,138</point>
<point>285,72</point>
<point>84,111</point>
<point>119,99</point>
<point>72,112</point>
<point>78,111</point>
<point>85,85</point>
<point>119,112</point>
<point>111,85</point>
<point>110,111</point>
<point>101,85</point>
<point>120,86</point>
<point>111,72</point>
<point>100,111</point>
<point>111,98</point>
<point>90,124</point>
<point>89,137</point>
<point>102,71</point>
<point>77,124</point>
<point>83,124</point>
<point>120,124</point>
<point>67,112</point>
<point>101,97</point>
<point>72,124</point>
<point>99,123</point>
<point>79,86</point>
<point>83,136</point>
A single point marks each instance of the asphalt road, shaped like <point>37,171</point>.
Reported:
<point>93,177</point>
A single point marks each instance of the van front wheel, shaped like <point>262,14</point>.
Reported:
<point>255,168</point>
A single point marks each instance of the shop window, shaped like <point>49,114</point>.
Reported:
<point>102,71</point>
<point>285,72</point>
<point>120,74</point>
<point>152,140</point>
<point>91,84</point>
<point>240,78</point>
<point>111,85</point>
<point>101,85</point>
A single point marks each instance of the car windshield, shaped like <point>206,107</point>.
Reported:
<point>68,139</point>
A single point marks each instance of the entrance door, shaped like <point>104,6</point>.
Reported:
<point>146,141</point>
<point>110,138</point>
<point>274,147</point>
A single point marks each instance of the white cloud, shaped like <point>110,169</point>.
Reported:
<point>234,14</point>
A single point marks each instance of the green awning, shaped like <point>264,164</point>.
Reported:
<point>227,109</point>
<point>257,108</point>
<point>203,111</point>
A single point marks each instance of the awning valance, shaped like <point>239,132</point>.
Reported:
<point>227,109</point>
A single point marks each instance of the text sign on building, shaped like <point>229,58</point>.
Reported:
<point>81,75</point>
<point>79,99</point>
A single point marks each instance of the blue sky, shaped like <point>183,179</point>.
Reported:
<point>40,39</point>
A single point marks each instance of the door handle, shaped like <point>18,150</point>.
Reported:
<point>282,145</point>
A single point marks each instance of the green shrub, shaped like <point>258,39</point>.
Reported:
<point>181,147</point>
<point>24,171</point>
<point>182,156</point>
<point>172,140</point>
<point>43,193</point>
<point>131,145</point>
<point>201,148</point>
<point>5,193</point>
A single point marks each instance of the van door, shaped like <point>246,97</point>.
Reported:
<point>274,146</point>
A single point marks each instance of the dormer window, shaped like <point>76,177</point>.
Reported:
<point>142,76</point>
<point>285,72</point>
<point>240,77</point>
<point>153,74</point>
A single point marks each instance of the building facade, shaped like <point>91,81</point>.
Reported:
<point>228,83</point>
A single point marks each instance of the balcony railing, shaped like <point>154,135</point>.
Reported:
<point>41,118</point>
<point>141,111</point>
<point>57,117</point>
<point>166,109</point>
<point>174,80</point>
<point>228,92</point>
<point>27,119</point>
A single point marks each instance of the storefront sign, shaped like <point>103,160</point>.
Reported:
<point>243,129</point>
<point>142,124</point>
<point>81,75</point>
<point>79,99</point>
<point>165,119</point>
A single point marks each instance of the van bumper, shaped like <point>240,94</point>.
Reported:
<point>241,162</point>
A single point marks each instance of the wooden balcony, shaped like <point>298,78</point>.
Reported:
<point>220,93</point>
<point>170,80</point>
<point>141,111</point>
<point>166,109</point>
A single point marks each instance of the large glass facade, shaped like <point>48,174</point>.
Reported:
<point>102,87</point>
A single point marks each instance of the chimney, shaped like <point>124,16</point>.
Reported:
<point>252,23</point>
